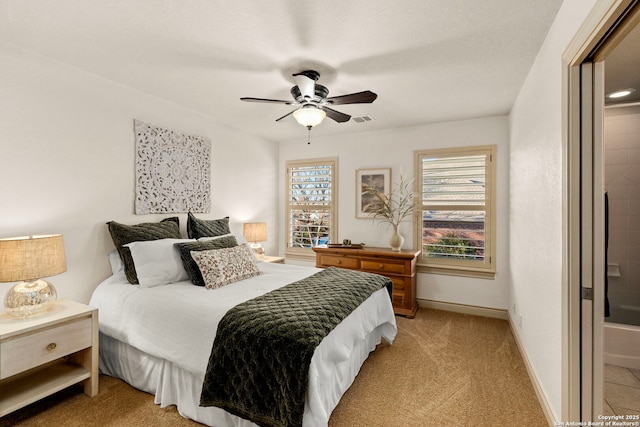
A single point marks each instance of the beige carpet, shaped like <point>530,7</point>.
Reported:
<point>444,369</point>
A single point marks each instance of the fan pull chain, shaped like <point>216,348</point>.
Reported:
<point>309,137</point>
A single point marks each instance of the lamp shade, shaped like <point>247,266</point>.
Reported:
<point>255,231</point>
<point>28,259</point>
<point>31,257</point>
<point>309,116</point>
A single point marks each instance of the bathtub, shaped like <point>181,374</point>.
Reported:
<point>622,345</point>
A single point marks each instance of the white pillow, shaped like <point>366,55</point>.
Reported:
<point>220,267</point>
<point>115,262</point>
<point>158,262</point>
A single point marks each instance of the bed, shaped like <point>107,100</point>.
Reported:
<point>159,338</point>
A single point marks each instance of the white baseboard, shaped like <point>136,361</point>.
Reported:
<point>463,308</point>
<point>542,398</point>
<point>498,314</point>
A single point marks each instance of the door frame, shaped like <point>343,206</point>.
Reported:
<point>592,271</point>
<point>582,362</point>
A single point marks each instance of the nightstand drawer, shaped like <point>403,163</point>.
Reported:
<point>339,261</point>
<point>27,351</point>
<point>383,267</point>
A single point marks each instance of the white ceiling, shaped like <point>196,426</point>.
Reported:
<point>428,60</point>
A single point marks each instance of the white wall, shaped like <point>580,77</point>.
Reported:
<point>536,204</point>
<point>394,148</point>
<point>67,163</point>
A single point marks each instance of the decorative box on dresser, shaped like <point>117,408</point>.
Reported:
<point>400,267</point>
<point>42,355</point>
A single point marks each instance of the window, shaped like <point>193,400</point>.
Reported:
<point>312,204</point>
<point>456,220</point>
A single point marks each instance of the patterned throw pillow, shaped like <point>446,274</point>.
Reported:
<point>190,265</point>
<point>198,228</point>
<point>168,228</point>
<point>220,267</point>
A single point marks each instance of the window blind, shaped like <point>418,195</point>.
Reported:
<point>454,181</point>
<point>454,212</point>
<point>311,202</point>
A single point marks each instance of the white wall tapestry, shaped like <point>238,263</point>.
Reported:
<point>173,171</point>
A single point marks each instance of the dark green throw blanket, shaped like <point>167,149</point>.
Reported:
<point>259,363</point>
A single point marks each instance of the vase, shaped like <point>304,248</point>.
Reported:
<point>396,240</point>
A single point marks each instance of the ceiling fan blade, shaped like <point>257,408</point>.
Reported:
<point>270,101</point>
<point>306,82</point>
<point>286,115</point>
<point>365,97</point>
<point>336,115</point>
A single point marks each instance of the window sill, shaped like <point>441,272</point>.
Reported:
<point>457,271</point>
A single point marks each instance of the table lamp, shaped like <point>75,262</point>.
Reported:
<point>255,232</point>
<point>26,259</point>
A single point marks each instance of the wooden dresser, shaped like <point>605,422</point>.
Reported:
<point>400,267</point>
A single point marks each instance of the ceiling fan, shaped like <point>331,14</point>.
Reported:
<point>313,103</point>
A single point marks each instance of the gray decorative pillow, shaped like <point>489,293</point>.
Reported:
<point>190,265</point>
<point>123,234</point>
<point>220,267</point>
<point>197,228</point>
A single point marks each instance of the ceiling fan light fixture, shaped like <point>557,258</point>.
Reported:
<point>621,93</point>
<point>309,115</point>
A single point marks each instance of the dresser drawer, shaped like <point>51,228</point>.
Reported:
<point>340,261</point>
<point>398,283</point>
<point>30,350</point>
<point>384,266</point>
<point>400,286</point>
<point>397,299</point>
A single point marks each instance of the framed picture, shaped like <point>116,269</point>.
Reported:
<point>377,178</point>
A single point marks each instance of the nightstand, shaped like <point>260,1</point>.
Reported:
<point>45,354</point>
<point>274,259</point>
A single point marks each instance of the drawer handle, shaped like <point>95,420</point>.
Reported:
<point>381,266</point>
<point>339,262</point>
<point>51,347</point>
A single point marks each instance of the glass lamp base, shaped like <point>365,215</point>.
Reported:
<point>30,299</point>
<point>257,249</point>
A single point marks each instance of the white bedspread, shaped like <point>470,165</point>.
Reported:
<point>178,323</point>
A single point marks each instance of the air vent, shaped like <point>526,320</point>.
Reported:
<point>362,119</point>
